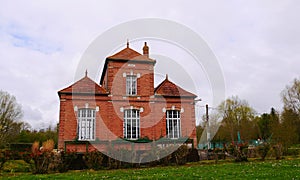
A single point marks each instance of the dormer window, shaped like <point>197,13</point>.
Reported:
<point>131,85</point>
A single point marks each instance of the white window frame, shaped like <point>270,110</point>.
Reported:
<point>131,85</point>
<point>86,118</point>
<point>131,125</point>
<point>173,124</point>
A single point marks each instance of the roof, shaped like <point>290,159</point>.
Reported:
<point>168,88</point>
<point>84,85</point>
<point>127,54</point>
<point>130,54</point>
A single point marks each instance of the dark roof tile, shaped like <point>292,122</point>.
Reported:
<point>84,85</point>
<point>129,54</point>
<point>168,88</point>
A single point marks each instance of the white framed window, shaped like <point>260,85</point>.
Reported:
<point>131,84</point>
<point>86,124</point>
<point>173,124</point>
<point>131,124</point>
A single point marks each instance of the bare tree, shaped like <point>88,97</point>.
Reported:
<point>25,126</point>
<point>291,96</point>
<point>10,113</point>
<point>291,112</point>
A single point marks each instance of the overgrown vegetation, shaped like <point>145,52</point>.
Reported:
<point>269,169</point>
<point>94,160</point>
<point>42,156</point>
<point>263,150</point>
<point>43,159</point>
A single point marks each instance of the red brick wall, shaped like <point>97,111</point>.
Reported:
<point>109,118</point>
<point>116,83</point>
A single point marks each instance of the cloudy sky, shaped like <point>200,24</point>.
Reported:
<point>256,42</point>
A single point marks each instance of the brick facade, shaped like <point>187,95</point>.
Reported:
<point>109,100</point>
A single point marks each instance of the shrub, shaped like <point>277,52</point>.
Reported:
<point>193,155</point>
<point>156,156</point>
<point>219,154</point>
<point>18,150</point>
<point>263,150</point>
<point>293,152</point>
<point>239,152</point>
<point>278,151</point>
<point>16,166</point>
<point>111,162</point>
<point>180,155</point>
<point>4,156</point>
<point>26,156</point>
<point>165,161</point>
<point>42,156</point>
<point>93,160</point>
<point>65,161</point>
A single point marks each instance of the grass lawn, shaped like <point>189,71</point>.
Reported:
<point>270,169</point>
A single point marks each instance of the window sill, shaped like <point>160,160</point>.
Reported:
<point>86,139</point>
<point>131,96</point>
<point>174,138</point>
<point>131,139</point>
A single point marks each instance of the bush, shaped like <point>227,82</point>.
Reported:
<point>219,154</point>
<point>193,155</point>
<point>16,166</point>
<point>150,157</point>
<point>42,157</point>
<point>93,160</point>
<point>165,161</point>
<point>26,156</point>
<point>18,150</point>
<point>239,152</point>
<point>66,159</point>
<point>263,150</point>
<point>4,156</point>
<point>293,152</point>
<point>278,151</point>
<point>157,156</point>
<point>180,155</point>
<point>111,162</point>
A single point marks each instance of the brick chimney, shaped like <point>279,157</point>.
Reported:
<point>146,50</point>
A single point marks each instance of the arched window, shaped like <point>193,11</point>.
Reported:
<point>173,124</point>
<point>86,124</point>
<point>131,124</point>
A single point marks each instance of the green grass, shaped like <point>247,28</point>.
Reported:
<point>271,169</point>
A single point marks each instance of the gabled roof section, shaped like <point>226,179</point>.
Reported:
<point>130,54</point>
<point>126,53</point>
<point>84,86</point>
<point>168,88</point>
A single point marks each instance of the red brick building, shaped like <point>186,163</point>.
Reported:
<point>125,105</point>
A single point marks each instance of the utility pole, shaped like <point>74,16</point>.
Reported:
<point>207,128</point>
